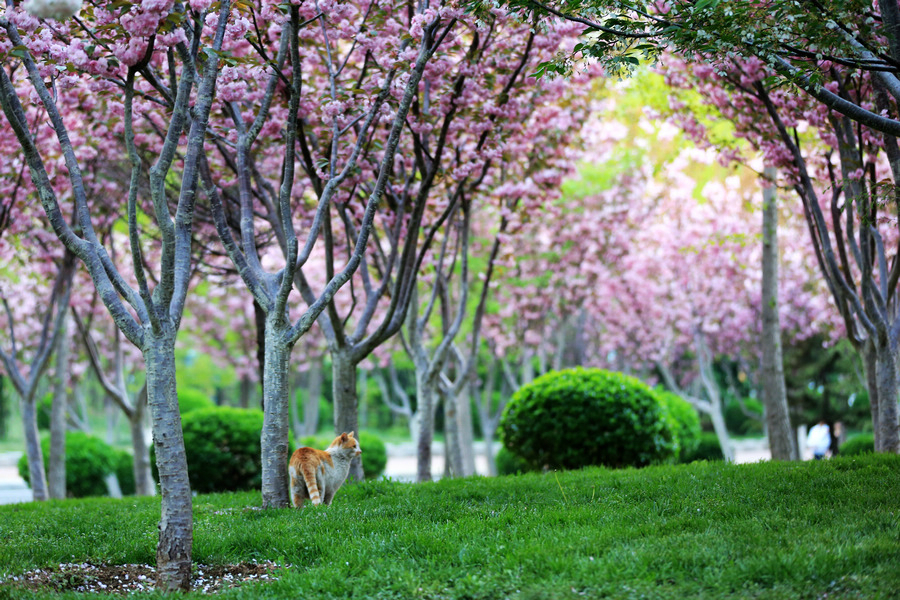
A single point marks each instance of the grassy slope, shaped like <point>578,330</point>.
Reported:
<point>799,530</point>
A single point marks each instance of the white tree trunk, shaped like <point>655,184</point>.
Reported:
<point>425,399</point>
<point>275,433</point>
<point>774,396</point>
<point>57,473</point>
<point>466,433</point>
<point>346,404</point>
<point>176,528</point>
<point>37,477</point>
<point>143,474</point>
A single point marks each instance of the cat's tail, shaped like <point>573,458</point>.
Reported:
<point>309,476</point>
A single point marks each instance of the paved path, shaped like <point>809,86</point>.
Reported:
<point>401,465</point>
<point>12,488</point>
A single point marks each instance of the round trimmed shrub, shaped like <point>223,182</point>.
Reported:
<point>222,445</point>
<point>88,460</point>
<point>190,400</point>
<point>374,452</point>
<point>683,420</point>
<point>580,417</point>
<point>862,443</point>
<point>708,448</point>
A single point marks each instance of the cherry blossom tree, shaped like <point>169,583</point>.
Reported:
<point>272,291</point>
<point>31,333</point>
<point>670,282</point>
<point>108,50</point>
<point>845,67</point>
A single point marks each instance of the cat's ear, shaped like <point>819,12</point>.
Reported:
<point>351,434</point>
<point>344,436</point>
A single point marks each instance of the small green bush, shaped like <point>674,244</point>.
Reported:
<point>858,444</point>
<point>190,399</point>
<point>44,407</point>
<point>738,422</point>
<point>223,451</point>
<point>319,442</point>
<point>683,420</point>
<point>708,448</point>
<point>374,452</point>
<point>88,460</point>
<point>124,467</point>
<point>579,417</point>
<point>510,464</point>
<point>374,456</point>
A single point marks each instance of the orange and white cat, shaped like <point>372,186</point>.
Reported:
<point>318,474</point>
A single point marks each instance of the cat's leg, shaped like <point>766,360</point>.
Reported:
<point>296,489</point>
<point>309,476</point>
<point>328,496</point>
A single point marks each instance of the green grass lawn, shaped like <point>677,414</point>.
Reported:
<point>828,529</point>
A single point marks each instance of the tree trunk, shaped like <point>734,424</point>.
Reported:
<point>453,455</point>
<point>887,436</point>
<point>466,433</point>
<point>275,419</point>
<point>346,404</point>
<point>173,553</point>
<point>487,432</point>
<point>143,474</point>
<point>38,479</point>
<point>870,366</point>
<point>259,316</point>
<point>425,410</point>
<point>722,432</point>
<point>57,474</point>
<point>778,422</point>
<point>313,396</point>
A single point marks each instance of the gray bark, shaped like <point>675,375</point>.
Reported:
<point>346,404</point>
<point>33,452</point>
<point>466,433</point>
<point>425,400</point>
<point>275,433</point>
<point>453,458</point>
<point>888,433</point>
<point>143,474</point>
<point>774,393</point>
<point>488,421</point>
<point>870,366</point>
<point>173,552</point>
<point>56,478</point>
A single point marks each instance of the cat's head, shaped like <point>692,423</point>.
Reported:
<point>348,443</point>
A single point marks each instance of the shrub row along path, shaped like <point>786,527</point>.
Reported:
<point>401,465</point>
